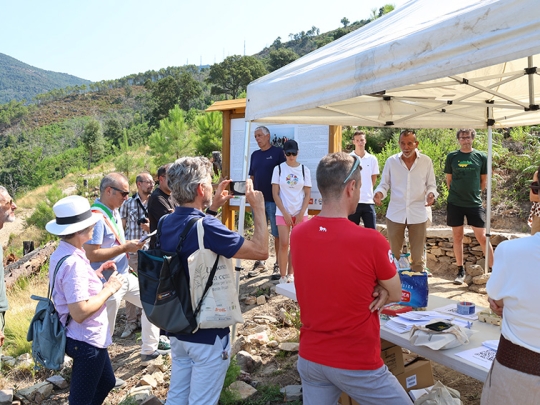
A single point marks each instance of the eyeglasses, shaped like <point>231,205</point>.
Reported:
<point>122,192</point>
<point>291,153</point>
<point>148,181</point>
<point>355,166</point>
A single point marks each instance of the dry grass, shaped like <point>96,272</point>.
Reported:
<point>21,311</point>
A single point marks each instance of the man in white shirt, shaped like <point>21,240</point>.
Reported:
<point>370,170</point>
<point>410,178</point>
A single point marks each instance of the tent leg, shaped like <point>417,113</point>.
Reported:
<point>531,81</point>
<point>241,218</point>
<point>488,197</point>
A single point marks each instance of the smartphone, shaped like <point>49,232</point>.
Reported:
<point>107,273</point>
<point>238,187</point>
<point>439,326</point>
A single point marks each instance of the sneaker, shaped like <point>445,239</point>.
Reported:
<point>128,330</point>
<point>426,270</point>
<point>259,265</point>
<point>275,275</point>
<point>147,358</point>
<point>460,277</point>
<point>283,280</point>
<point>290,278</point>
<point>119,383</point>
<point>163,345</point>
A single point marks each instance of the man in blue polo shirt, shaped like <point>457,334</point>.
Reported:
<point>261,168</point>
<point>200,360</point>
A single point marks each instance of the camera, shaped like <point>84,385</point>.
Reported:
<point>142,220</point>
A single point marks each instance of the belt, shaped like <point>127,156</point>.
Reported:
<point>518,357</point>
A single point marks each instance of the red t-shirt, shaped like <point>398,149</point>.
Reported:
<point>336,267</point>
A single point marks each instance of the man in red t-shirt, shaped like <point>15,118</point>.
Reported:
<point>343,275</point>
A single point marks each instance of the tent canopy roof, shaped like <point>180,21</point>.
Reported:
<point>424,65</point>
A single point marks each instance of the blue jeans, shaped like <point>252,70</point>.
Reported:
<point>322,385</point>
<point>92,376</point>
<point>198,371</point>
<point>366,212</point>
<point>270,211</point>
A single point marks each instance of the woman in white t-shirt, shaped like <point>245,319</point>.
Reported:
<point>291,188</point>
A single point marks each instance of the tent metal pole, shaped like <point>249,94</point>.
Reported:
<point>241,217</point>
<point>531,81</point>
<point>488,197</point>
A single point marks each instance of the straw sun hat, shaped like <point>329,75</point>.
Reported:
<point>72,214</point>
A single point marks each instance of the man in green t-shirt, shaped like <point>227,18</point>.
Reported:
<point>466,177</point>
<point>7,214</point>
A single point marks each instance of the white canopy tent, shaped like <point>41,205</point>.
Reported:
<point>425,65</point>
<point>455,64</point>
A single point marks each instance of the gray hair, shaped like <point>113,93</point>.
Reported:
<point>332,171</point>
<point>111,180</point>
<point>470,131</point>
<point>185,175</point>
<point>263,129</point>
<point>3,190</point>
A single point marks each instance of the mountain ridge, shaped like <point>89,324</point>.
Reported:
<point>21,81</point>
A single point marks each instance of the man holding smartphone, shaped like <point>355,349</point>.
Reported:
<point>261,168</point>
<point>136,225</point>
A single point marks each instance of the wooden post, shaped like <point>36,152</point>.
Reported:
<point>28,246</point>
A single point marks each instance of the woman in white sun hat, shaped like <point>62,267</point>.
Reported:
<point>79,297</point>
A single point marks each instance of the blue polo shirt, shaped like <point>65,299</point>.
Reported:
<point>217,237</point>
<point>261,168</point>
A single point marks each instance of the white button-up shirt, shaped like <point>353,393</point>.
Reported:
<point>409,188</point>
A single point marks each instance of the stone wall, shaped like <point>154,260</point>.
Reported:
<point>440,251</point>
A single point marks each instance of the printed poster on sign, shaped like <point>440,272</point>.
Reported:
<point>312,144</point>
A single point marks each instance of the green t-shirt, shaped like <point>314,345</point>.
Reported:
<point>3,297</point>
<point>465,169</point>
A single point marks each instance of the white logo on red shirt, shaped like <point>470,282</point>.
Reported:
<point>322,229</point>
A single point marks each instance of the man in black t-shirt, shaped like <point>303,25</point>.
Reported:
<point>160,202</point>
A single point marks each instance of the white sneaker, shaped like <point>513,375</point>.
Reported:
<point>290,278</point>
<point>283,280</point>
<point>128,330</point>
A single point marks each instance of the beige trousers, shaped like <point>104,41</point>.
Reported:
<point>417,241</point>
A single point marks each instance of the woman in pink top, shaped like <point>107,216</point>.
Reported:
<point>79,297</point>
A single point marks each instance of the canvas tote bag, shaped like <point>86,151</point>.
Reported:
<point>220,307</point>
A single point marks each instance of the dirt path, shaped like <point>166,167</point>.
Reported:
<point>15,227</point>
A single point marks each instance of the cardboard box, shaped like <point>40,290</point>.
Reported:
<point>416,375</point>
<point>393,358</point>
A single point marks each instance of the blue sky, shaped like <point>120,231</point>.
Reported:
<point>108,39</point>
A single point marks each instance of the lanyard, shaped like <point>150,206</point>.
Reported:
<point>112,220</point>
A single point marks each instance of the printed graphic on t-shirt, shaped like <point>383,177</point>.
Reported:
<point>464,163</point>
<point>292,180</point>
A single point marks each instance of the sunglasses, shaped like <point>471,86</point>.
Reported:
<point>355,166</point>
<point>123,193</point>
<point>291,153</point>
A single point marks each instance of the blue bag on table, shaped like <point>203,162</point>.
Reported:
<point>414,288</point>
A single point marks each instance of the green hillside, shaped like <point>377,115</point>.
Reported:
<point>20,81</point>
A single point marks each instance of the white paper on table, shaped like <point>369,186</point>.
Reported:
<point>397,327</point>
<point>401,325</point>
<point>423,315</point>
<point>481,356</point>
<point>452,310</point>
<point>491,344</point>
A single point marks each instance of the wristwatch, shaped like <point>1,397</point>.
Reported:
<point>210,212</point>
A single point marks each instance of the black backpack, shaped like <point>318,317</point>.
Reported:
<point>164,286</point>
